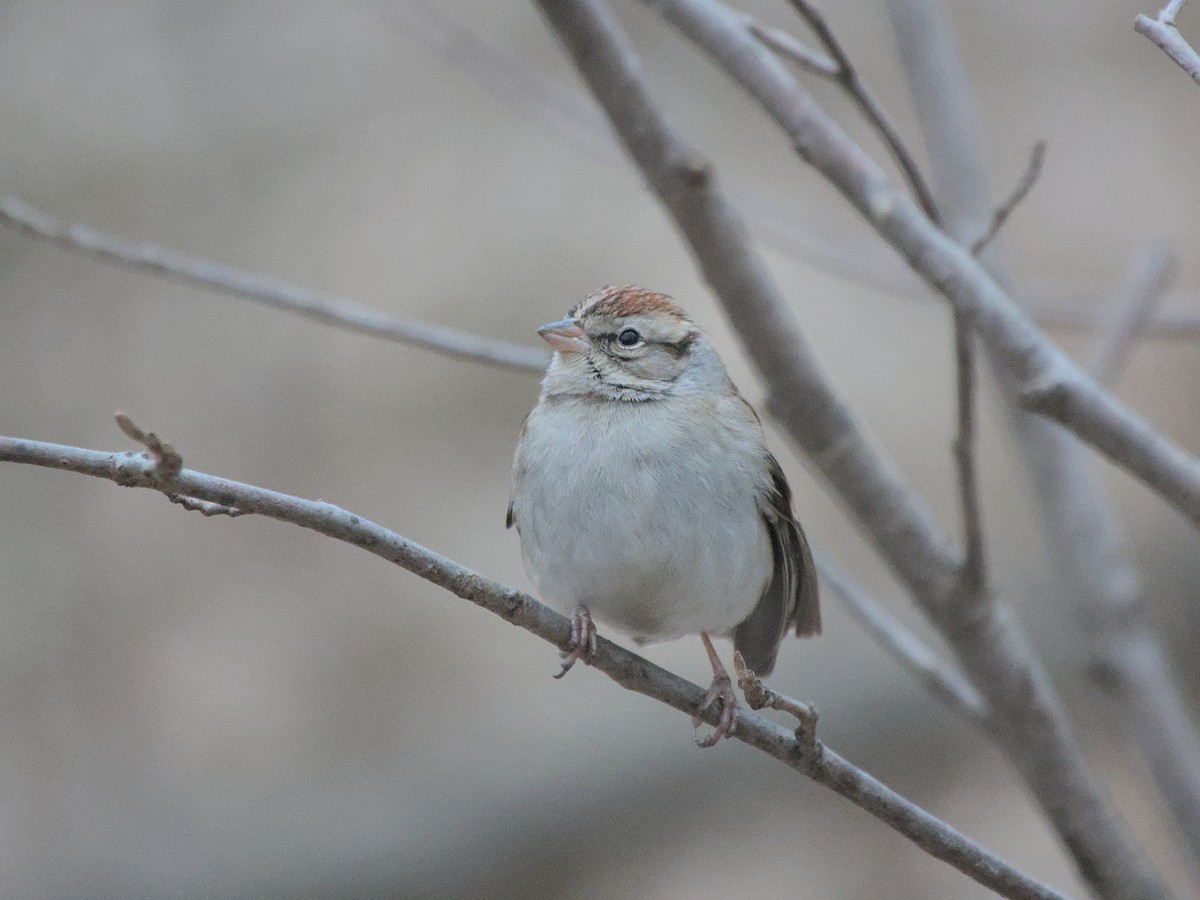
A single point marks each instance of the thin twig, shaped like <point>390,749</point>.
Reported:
<point>870,106</point>
<point>1029,177</point>
<point>626,668</point>
<point>941,678</point>
<point>1145,285</point>
<point>270,291</point>
<point>1163,31</point>
<point>973,570</point>
<point>1070,314</point>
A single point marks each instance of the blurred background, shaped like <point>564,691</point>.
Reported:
<point>196,707</point>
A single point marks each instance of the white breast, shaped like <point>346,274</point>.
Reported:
<point>646,513</point>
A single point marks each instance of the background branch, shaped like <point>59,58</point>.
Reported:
<point>270,291</point>
<point>627,669</point>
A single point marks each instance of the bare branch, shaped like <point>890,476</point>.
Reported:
<point>1029,177</point>
<point>1027,717</point>
<point>941,678</point>
<point>1086,542</point>
<point>870,106</point>
<point>269,291</point>
<point>627,669</point>
<point>1133,306</point>
<point>1164,33</point>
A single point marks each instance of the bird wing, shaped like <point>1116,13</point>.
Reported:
<point>509,519</point>
<point>791,596</point>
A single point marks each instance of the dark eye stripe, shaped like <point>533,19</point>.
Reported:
<point>678,348</point>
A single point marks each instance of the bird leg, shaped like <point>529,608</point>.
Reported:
<point>582,644</point>
<point>721,688</point>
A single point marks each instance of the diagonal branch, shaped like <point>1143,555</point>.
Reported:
<point>626,668</point>
<point>1027,716</point>
<point>1164,33</point>
<point>269,291</point>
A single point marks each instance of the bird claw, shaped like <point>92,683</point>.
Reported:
<point>720,689</point>
<point>582,644</point>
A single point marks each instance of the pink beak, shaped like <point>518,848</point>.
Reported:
<point>565,336</point>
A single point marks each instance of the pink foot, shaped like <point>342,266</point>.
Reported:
<point>721,689</point>
<point>583,640</point>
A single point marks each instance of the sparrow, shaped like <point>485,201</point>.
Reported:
<point>646,499</point>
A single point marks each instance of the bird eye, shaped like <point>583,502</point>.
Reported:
<point>629,337</point>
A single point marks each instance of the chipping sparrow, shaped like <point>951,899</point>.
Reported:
<point>644,493</point>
